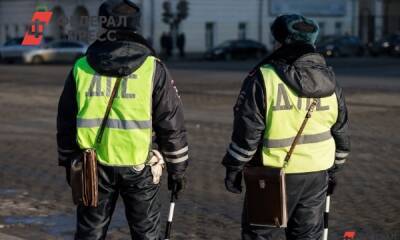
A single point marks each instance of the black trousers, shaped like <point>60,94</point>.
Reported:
<point>306,195</point>
<point>141,200</point>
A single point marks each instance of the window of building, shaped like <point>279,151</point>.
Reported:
<point>242,30</point>
<point>7,31</point>
<point>338,28</point>
<point>321,28</point>
<point>210,34</point>
<point>16,30</point>
<point>398,26</point>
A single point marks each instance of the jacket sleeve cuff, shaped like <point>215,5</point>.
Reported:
<point>340,160</point>
<point>178,156</point>
<point>66,156</point>
<point>177,168</point>
<point>341,157</point>
<point>177,160</point>
<point>237,157</point>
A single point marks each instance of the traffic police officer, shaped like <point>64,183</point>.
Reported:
<point>147,114</point>
<point>269,111</point>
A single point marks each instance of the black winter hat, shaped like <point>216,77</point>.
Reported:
<point>120,14</point>
<point>291,28</point>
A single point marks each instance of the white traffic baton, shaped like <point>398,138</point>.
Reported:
<point>326,216</point>
<point>168,229</point>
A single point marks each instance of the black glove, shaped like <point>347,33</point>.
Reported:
<point>233,180</point>
<point>76,156</point>
<point>176,183</point>
<point>331,182</point>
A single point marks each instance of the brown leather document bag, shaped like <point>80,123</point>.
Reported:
<point>84,179</point>
<point>266,188</point>
<point>84,175</point>
<point>266,196</point>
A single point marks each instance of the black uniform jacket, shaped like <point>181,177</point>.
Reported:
<point>118,59</point>
<point>307,74</point>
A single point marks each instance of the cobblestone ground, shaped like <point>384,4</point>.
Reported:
<point>35,201</point>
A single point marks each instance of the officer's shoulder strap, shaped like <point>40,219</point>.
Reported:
<point>159,61</point>
<point>267,69</point>
<point>81,63</point>
<point>267,66</point>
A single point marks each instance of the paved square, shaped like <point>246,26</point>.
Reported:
<point>35,201</point>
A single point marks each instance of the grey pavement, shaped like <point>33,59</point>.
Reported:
<point>35,201</point>
<point>9,237</point>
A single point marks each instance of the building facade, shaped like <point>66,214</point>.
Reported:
<point>210,22</point>
<point>378,18</point>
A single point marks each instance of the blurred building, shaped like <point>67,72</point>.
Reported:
<point>212,22</point>
<point>378,18</point>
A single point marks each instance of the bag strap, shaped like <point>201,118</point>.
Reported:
<point>108,110</point>
<point>303,125</point>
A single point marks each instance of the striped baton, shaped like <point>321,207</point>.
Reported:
<point>170,216</point>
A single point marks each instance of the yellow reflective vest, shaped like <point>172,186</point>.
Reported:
<point>128,134</point>
<point>285,112</point>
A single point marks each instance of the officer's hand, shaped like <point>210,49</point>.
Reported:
<point>233,181</point>
<point>331,182</point>
<point>176,183</point>
<point>77,157</point>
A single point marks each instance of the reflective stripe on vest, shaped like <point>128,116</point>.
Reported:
<point>128,134</point>
<point>285,112</point>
